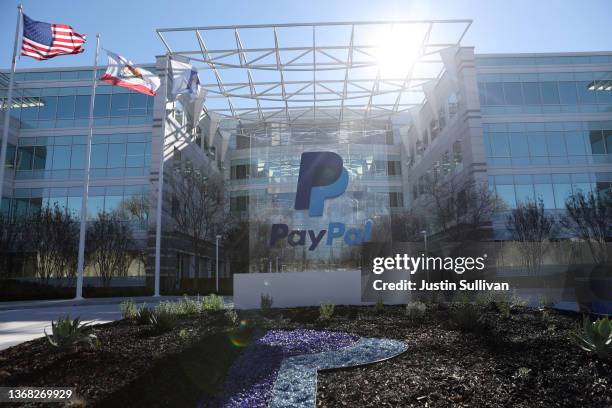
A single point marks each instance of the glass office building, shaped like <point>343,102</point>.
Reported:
<point>536,126</point>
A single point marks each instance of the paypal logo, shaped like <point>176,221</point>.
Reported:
<point>322,177</point>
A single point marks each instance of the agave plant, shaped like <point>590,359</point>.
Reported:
<point>67,334</point>
<point>596,337</point>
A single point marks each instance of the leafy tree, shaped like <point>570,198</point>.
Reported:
<point>110,246</point>
<point>589,217</point>
<point>531,228</point>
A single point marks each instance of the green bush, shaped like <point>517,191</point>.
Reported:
<point>213,302</point>
<point>162,319</point>
<point>143,316</point>
<point>326,311</point>
<point>188,306</point>
<point>266,302</point>
<point>505,304</point>
<point>467,318</point>
<point>596,337</point>
<point>128,309</point>
<point>232,317</point>
<point>67,334</point>
<point>416,310</point>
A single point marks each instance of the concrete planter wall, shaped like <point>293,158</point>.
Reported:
<point>293,289</point>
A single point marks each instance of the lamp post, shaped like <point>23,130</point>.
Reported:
<point>424,232</point>
<point>218,237</point>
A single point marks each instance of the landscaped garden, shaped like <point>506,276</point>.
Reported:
<point>488,352</point>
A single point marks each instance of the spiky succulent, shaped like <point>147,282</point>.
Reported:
<point>67,334</point>
<point>596,337</point>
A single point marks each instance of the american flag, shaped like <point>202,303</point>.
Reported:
<point>43,40</point>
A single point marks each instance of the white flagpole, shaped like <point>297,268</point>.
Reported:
<point>9,102</point>
<point>160,186</point>
<point>83,226</point>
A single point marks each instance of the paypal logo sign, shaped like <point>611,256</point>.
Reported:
<point>322,176</point>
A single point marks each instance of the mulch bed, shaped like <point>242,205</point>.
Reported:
<point>525,360</point>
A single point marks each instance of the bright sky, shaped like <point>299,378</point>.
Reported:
<point>499,26</point>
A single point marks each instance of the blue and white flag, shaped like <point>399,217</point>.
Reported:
<point>185,80</point>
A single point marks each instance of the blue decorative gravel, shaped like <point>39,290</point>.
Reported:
<point>251,378</point>
<point>296,384</point>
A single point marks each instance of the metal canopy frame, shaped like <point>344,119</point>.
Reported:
<point>313,72</point>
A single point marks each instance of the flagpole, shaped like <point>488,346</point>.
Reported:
<point>9,104</point>
<point>160,185</point>
<point>83,226</point>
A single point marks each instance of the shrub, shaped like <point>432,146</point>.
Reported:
<point>143,316</point>
<point>326,311</point>
<point>596,337</point>
<point>505,304</point>
<point>266,302</point>
<point>67,334</point>
<point>213,302</point>
<point>162,319</point>
<point>232,317</point>
<point>466,318</point>
<point>416,310</point>
<point>188,306</point>
<point>128,309</point>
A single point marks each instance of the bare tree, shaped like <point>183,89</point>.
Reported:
<point>199,205</point>
<point>110,246</point>
<point>407,225</point>
<point>589,217</point>
<point>11,240</point>
<point>459,208</point>
<point>52,235</point>
<point>531,228</point>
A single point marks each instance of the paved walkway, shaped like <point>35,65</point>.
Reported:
<point>24,321</point>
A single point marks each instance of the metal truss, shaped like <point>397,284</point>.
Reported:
<point>315,72</point>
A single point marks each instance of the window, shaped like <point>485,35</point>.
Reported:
<point>394,168</point>
<point>40,158</point>
<point>24,158</point>
<point>499,145</point>
<point>494,93</point>
<point>597,142</point>
<point>116,155</point>
<point>65,107</point>
<point>575,143</point>
<point>47,109</point>
<point>531,93</point>
<point>585,95</point>
<point>98,155</point>
<point>555,144</point>
<point>506,193</point>
<point>77,159</point>
<point>101,106</point>
<point>550,93</point>
<point>544,192</point>
<point>513,93</point>
<point>519,145</point>
<point>524,193</point>
<point>396,199</point>
<point>135,155</point>
<point>537,144</point>
<point>120,105</point>
<point>81,110</point>
<point>567,93</point>
<point>61,157</point>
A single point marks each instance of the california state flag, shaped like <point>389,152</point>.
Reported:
<point>122,72</point>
